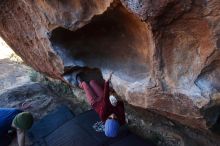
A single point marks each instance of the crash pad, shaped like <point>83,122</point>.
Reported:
<point>49,123</point>
<point>61,128</point>
<point>70,134</point>
<point>86,121</point>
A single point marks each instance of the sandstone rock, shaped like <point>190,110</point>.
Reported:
<point>24,91</point>
<point>164,53</point>
<point>158,12</point>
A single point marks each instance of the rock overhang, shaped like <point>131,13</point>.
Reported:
<point>161,51</point>
<point>114,41</point>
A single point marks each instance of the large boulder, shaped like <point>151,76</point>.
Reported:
<point>164,53</point>
<point>13,74</point>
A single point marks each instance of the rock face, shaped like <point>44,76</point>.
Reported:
<point>13,74</point>
<point>164,53</point>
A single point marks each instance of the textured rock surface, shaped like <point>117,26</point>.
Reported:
<point>13,74</point>
<point>164,53</point>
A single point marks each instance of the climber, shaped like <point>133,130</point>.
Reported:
<point>14,120</point>
<point>109,109</point>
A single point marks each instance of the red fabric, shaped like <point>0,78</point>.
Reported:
<point>99,100</point>
<point>90,94</point>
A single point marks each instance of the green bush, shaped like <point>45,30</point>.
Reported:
<point>60,88</point>
<point>34,76</point>
<point>56,86</point>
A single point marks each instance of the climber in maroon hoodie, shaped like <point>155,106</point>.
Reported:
<point>109,109</point>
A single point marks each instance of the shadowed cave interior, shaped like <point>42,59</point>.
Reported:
<point>208,82</point>
<point>114,41</point>
<point>216,127</point>
<point>212,115</point>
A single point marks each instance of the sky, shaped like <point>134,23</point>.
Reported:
<point>5,50</point>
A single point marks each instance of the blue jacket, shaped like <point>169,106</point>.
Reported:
<point>6,117</point>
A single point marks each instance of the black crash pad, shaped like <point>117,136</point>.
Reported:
<point>49,123</point>
<point>61,128</point>
<point>70,134</point>
<point>86,121</point>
